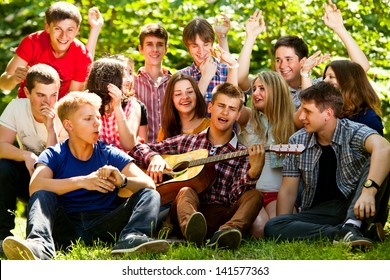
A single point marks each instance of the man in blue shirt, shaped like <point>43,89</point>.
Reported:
<point>74,192</point>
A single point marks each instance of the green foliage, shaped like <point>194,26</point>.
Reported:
<point>367,20</point>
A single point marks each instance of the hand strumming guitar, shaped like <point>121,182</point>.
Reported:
<point>156,168</point>
<point>256,160</point>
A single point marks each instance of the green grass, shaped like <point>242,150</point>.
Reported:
<point>250,249</point>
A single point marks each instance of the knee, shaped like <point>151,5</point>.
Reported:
<point>43,196</point>
<point>152,196</point>
<point>270,228</point>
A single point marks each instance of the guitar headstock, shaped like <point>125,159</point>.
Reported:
<point>287,148</point>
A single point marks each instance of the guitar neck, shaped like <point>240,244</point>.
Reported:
<point>221,157</point>
<point>279,149</point>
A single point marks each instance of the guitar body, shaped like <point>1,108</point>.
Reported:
<point>199,178</point>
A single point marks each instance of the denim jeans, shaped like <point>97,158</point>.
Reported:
<point>48,223</point>
<point>325,220</point>
<point>14,182</point>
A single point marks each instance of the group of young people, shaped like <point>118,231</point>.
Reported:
<point>94,138</point>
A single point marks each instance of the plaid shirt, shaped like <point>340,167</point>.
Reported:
<point>220,77</point>
<point>347,142</point>
<point>109,129</point>
<point>152,95</point>
<point>232,179</point>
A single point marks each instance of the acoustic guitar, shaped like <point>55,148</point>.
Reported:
<point>195,169</point>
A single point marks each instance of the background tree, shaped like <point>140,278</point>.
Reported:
<point>367,20</point>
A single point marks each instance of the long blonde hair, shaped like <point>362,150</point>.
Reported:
<point>279,108</point>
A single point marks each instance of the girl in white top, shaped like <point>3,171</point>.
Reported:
<point>269,121</point>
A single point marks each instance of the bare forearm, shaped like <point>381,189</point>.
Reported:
<point>58,186</point>
<point>7,82</point>
<point>9,151</point>
<point>244,61</point>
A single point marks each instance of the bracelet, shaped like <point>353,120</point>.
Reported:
<point>223,35</point>
<point>234,67</point>
<point>124,183</point>
<point>305,75</point>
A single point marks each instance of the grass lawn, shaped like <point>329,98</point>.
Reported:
<point>249,250</point>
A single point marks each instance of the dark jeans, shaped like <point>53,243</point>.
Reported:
<point>48,224</point>
<point>14,183</point>
<point>324,220</point>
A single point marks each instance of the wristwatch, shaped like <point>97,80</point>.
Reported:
<point>124,183</point>
<point>370,183</point>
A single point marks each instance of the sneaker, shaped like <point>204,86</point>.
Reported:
<point>376,232</point>
<point>140,244</point>
<point>226,239</point>
<point>350,235</point>
<point>17,249</point>
<point>196,229</point>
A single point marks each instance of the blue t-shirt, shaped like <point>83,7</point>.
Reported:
<point>369,118</point>
<point>64,165</point>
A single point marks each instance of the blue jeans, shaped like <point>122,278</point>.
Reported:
<point>324,220</point>
<point>14,182</point>
<point>48,223</point>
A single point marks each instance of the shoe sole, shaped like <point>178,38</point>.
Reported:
<point>14,249</point>
<point>152,247</point>
<point>354,244</point>
<point>196,229</point>
<point>228,240</point>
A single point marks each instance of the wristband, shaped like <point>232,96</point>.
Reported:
<point>305,75</point>
<point>234,67</point>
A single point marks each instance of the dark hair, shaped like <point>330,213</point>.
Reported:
<point>43,74</point>
<point>358,94</point>
<point>299,46</point>
<point>229,90</point>
<point>170,121</point>
<point>106,71</point>
<point>200,27</point>
<point>63,10</point>
<point>324,96</point>
<point>153,29</point>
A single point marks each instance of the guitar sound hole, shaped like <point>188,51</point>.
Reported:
<point>181,166</point>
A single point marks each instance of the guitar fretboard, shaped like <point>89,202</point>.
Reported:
<point>203,161</point>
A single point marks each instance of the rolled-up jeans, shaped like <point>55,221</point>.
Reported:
<point>48,224</point>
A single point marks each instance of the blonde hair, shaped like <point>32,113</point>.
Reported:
<point>71,102</point>
<point>279,108</point>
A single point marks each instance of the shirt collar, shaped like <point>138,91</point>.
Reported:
<point>233,143</point>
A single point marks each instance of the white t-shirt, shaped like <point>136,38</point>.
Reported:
<point>31,135</point>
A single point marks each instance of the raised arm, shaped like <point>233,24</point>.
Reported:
<point>221,27</point>
<point>254,26</point>
<point>334,20</point>
<point>96,21</point>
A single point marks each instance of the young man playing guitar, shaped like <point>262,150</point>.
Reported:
<point>226,210</point>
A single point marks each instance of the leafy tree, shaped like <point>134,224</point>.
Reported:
<point>367,20</point>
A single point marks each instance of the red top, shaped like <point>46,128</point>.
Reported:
<point>36,48</point>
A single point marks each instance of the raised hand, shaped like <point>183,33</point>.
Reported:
<point>332,17</point>
<point>255,24</point>
<point>222,25</point>
<point>95,18</point>
<point>314,60</point>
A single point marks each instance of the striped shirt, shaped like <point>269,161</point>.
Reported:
<point>220,77</point>
<point>347,142</point>
<point>232,178</point>
<point>152,95</point>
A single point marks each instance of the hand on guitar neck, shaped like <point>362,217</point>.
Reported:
<point>196,169</point>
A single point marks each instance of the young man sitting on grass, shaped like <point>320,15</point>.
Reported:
<point>226,210</point>
<point>343,169</point>
<point>74,192</point>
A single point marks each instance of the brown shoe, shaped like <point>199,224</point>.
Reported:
<point>196,229</point>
